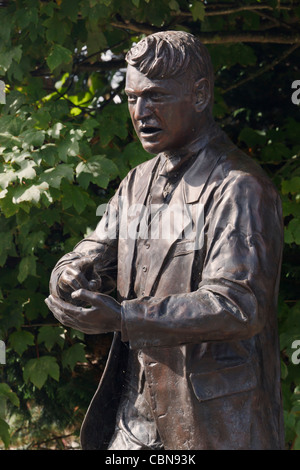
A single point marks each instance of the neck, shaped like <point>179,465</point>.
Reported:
<point>204,132</point>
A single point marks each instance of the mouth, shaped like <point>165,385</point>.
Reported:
<point>149,130</point>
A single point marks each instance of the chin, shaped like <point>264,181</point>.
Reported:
<point>152,148</point>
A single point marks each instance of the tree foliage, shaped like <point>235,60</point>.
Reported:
<point>66,141</point>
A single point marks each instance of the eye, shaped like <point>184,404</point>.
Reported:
<point>131,99</point>
<point>157,96</point>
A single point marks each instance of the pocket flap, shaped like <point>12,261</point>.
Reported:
<point>222,382</point>
<point>183,248</point>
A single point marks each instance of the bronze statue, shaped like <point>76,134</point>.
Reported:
<point>193,241</point>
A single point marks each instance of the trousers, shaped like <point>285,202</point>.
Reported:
<point>135,426</point>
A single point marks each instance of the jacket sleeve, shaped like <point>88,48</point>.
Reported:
<point>100,246</point>
<point>239,282</point>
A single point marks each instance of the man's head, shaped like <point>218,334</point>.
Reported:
<point>170,89</point>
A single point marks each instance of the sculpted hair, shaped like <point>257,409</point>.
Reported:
<point>169,54</point>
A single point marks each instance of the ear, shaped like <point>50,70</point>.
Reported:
<point>202,94</point>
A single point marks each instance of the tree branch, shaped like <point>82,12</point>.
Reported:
<point>257,37</point>
<point>215,38</point>
<point>219,9</point>
<point>137,27</point>
<point>273,20</point>
<point>101,65</point>
<point>51,439</point>
<point>85,66</point>
<point>263,69</point>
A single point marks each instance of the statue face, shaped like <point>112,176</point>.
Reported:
<point>162,111</point>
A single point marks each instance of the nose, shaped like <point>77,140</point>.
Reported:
<point>141,109</point>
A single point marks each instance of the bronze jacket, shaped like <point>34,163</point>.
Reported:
<point>206,327</point>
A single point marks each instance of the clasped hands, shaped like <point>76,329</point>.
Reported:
<point>101,313</point>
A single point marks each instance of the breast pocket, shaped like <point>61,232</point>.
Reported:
<point>184,247</point>
<point>223,382</point>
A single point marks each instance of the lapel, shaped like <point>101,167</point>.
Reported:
<point>185,199</point>
<point>135,197</point>
<point>196,178</point>
<point>188,191</point>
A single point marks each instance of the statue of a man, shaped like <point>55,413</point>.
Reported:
<point>193,241</point>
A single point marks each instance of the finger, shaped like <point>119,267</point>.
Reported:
<point>68,285</point>
<point>61,317</point>
<point>78,322</point>
<point>74,279</point>
<point>87,296</point>
<point>95,284</point>
<point>83,263</point>
<point>64,308</point>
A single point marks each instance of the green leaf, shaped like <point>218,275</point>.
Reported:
<point>27,267</point>
<point>135,154</point>
<point>8,140</point>
<point>291,186</point>
<point>51,335</point>
<point>36,306</point>
<point>42,118</point>
<point>6,178</point>
<point>98,170</point>
<point>59,55</point>
<point>293,232</point>
<point>20,340</point>
<point>53,176</point>
<point>54,131</point>
<point>33,137</point>
<point>31,194</point>
<point>72,355</point>
<point>173,4</point>
<point>5,245</point>
<point>7,393</point>
<point>69,8</point>
<point>76,197</point>
<point>6,26</point>
<point>57,29</point>
<point>38,370</point>
<point>7,57</point>
<point>68,147</point>
<point>32,241</point>
<point>289,424</point>
<point>275,152</point>
<point>26,171</point>
<point>228,55</point>
<point>252,137</point>
<point>296,445</point>
<point>198,11</point>
<point>4,432</point>
<point>284,370</point>
<point>113,122</point>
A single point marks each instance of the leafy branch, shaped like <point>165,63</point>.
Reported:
<point>262,70</point>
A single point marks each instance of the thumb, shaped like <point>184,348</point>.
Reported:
<point>87,296</point>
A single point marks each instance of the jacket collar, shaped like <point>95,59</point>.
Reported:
<point>197,176</point>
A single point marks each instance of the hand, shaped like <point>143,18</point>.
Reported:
<point>103,316</point>
<point>79,274</point>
